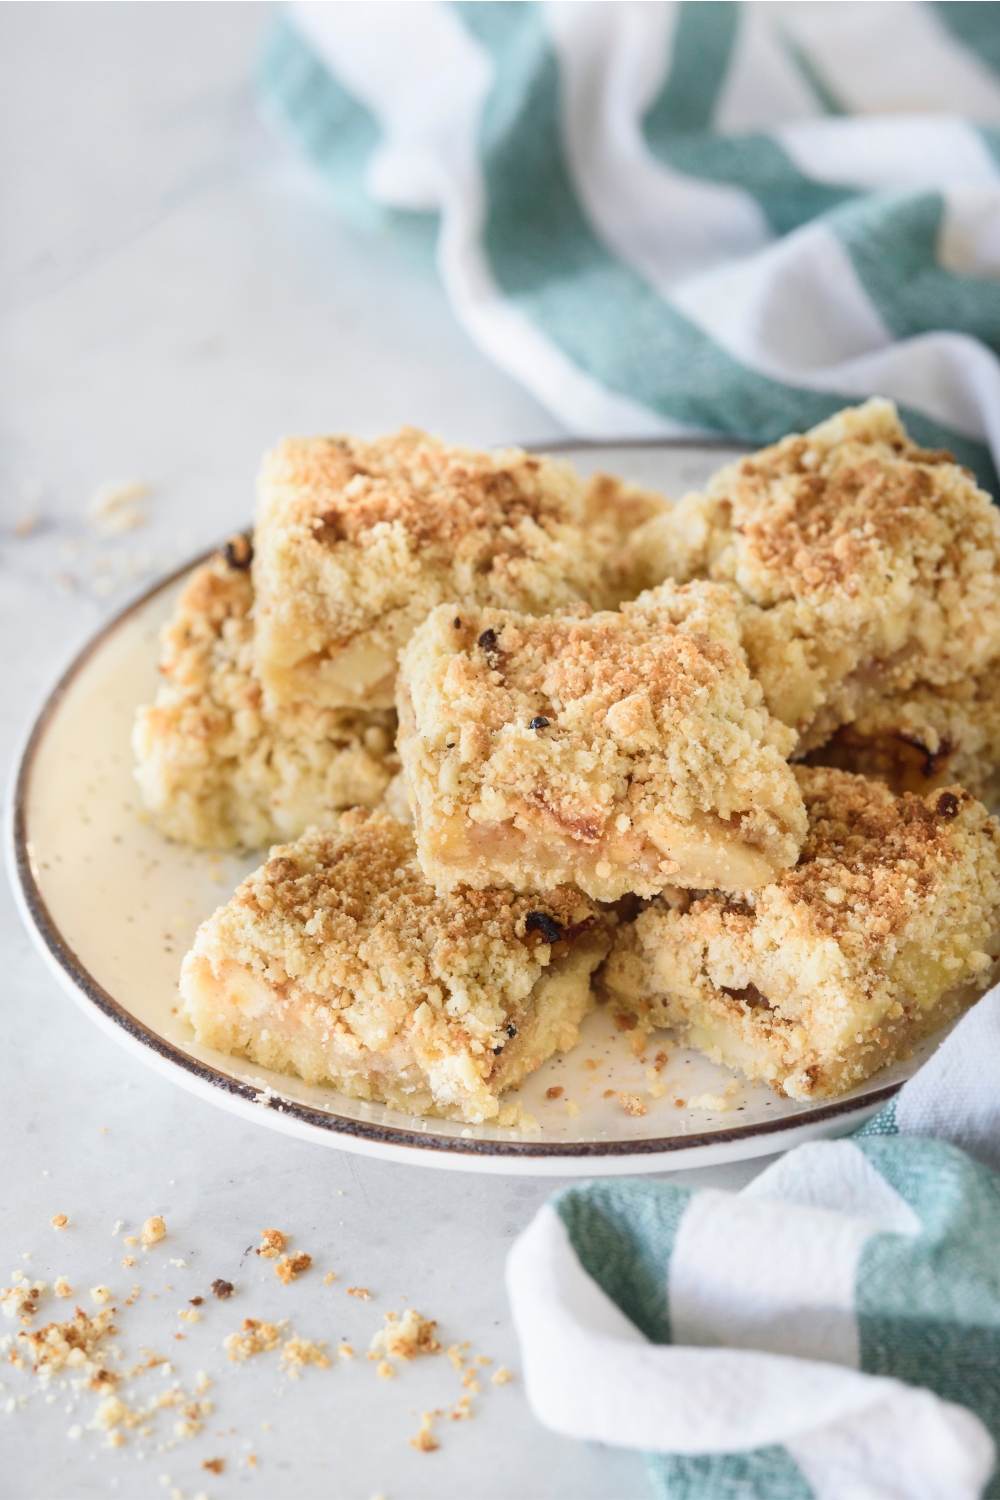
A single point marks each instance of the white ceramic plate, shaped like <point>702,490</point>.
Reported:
<point>112,908</point>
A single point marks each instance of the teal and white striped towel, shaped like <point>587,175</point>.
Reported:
<point>670,219</point>
<point>832,1332</point>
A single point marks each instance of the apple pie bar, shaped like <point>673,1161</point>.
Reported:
<point>218,769</point>
<point>620,751</point>
<point>888,928</point>
<point>357,541</point>
<point>336,961</point>
<point>867,565</point>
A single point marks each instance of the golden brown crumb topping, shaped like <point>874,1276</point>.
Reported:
<point>867,564</point>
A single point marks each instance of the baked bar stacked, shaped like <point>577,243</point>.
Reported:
<point>567,741</point>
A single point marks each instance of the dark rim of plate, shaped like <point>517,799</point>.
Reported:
<point>85,983</point>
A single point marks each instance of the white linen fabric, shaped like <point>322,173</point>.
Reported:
<point>675,218</point>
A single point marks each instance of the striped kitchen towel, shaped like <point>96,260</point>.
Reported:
<point>832,1332</point>
<point>677,219</point>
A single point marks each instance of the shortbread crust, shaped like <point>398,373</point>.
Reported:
<point>357,541</point>
<point>868,565</point>
<point>888,928</point>
<point>336,961</point>
<point>618,751</point>
<point>216,768</point>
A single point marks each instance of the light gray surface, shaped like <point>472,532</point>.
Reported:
<point>175,293</point>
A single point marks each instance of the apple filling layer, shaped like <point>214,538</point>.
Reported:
<point>888,927</point>
<point>337,962</point>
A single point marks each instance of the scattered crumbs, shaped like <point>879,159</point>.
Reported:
<point>196,1301</point>
<point>202,1382</point>
<point>590,1062</point>
<point>732,1087</point>
<point>289,1267</point>
<point>101,1293</point>
<point>118,1227</point>
<point>384,1370</point>
<point>405,1337</point>
<point>153,1230</point>
<point>128,1260</point>
<point>625,1023</point>
<point>181,1263</point>
<point>76,1431</point>
<point>298,1352</point>
<point>657,1089</point>
<point>679,1103</point>
<point>455,1355</point>
<point>345,1351</point>
<point>660,1061</point>
<point>461,1411</point>
<point>554,1093</point>
<point>26,524</point>
<point>527,1124</point>
<point>360,1291</point>
<point>62,1287</point>
<point>251,1460</point>
<point>115,507</point>
<point>502,1375</point>
<point>257,1338</point>
<point>222,1289</point>
<point>60,1221</point>
<point>189,1315</point>
<point>272,1243</point>
<point>632,1104</point>
<point>608,1094</point>
<point>131,1239</point>
<point>713,1102</point>
<point>214,1465</point>
<point>424,1441</point>
<point>330,1276</point>
<point>483,1359</point>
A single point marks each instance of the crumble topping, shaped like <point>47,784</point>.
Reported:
<point>356,541</point>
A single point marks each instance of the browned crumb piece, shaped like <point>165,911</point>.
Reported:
<point>625,1022</point>
<point>220,768</point>
<point>73,1343</point>
<point>214,1465</point>
<point>361,1292</point>
<point>888,928</point>
<point>502,1375</point>
<point>222,1289</point>
<point>153,1230</point>
<point>554,1093</point>
<point>298,1352</point>
<point>345,1351</point>
<point>384,1370</point>
<point>608,1094</point>
<point>337,961</point>
<point>196,1301</point>
<point>289,1267</point>
<point>424,1441</point>
<point>330,1276</point>
<point>357,541</point>
<point>60,1221</point>
<point>868,565</point>
<point>679,1103</point>
<point>470,1382</point>
<point>62,1287</point>
<point>406,1337</point>
<point>272,1243</point>
<point>461,1411</point>
<point>632,1104</point>
<point>258,1337</point>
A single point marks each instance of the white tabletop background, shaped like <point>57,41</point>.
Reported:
<point>175,294</point>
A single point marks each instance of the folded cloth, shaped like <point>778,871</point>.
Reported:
<point>832,1331</point>
<point>669,219</point>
